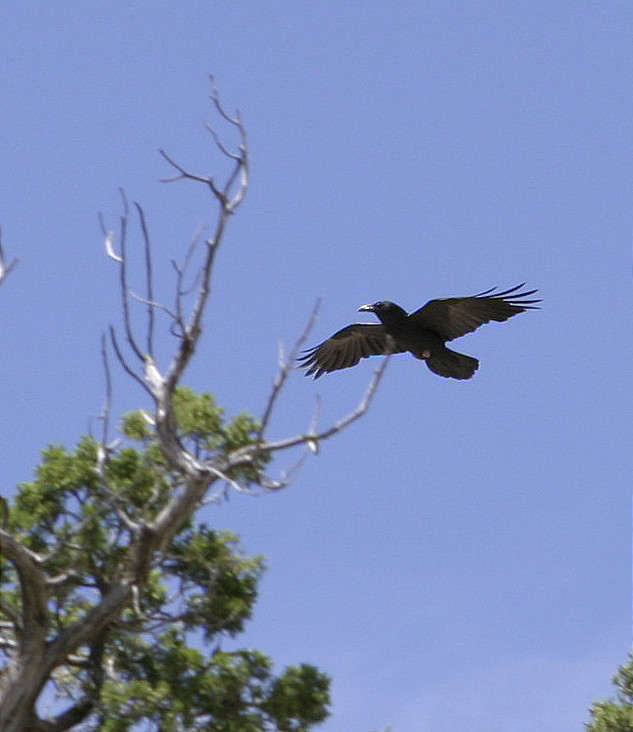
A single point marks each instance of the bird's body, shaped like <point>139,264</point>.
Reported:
<point>423,333</point>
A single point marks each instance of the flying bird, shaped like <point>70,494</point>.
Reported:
<point>423,333</point>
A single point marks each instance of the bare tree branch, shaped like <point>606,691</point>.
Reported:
<point>244,455</point>
<point>181,290</point>
<point>5,269</point>
<point>108,238</point>
<point>60,579</point>
<point>227,206</point>
<point>127,368</point>
<point>125,303</point>
<point>105,412</point>
<point>229,481</point>
<point>241,159</point>
<point>183,174</point>
<point>286,365</point>
<point>148,280</point>
<point>287,475</point>
<point>151,305</point>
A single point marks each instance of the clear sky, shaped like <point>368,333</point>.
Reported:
<point>460,558</point>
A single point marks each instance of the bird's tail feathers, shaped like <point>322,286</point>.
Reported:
<point>451,364</point>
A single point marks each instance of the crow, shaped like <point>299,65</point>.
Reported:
<point>423,333</point>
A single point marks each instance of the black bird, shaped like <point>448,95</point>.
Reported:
<point>423,333</point>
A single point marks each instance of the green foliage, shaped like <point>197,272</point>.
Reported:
<point>203,429</point>
<point>220,587</point>
<point>198,416</point>
<point>230,692</point>
<point>166,667</point>
<point>616,715</point>
<point>40,506</point>
<point>300,694</point>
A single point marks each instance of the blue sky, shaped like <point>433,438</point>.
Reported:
<point>460,558</point>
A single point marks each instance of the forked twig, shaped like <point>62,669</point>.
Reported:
<point>285,367</point>
<point>191,331</point>
<point>245,455</point>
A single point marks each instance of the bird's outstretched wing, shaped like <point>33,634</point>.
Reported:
<point>456,316</point>
<point>346,348</point>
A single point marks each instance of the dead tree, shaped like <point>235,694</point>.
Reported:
<point>25,627</point>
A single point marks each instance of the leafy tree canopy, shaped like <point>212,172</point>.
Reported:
<point>616,715</point>
<point>201,589</point>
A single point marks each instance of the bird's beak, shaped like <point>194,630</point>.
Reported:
<point>366,309</point>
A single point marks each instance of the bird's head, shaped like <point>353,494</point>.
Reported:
<point>382,306</point>
<point>375,307</point>
<point>386,311</point>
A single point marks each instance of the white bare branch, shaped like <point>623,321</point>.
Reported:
<point>153,305</point>
<point>229,481</point>
<point>109,242</point>
<point>245,455</point>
